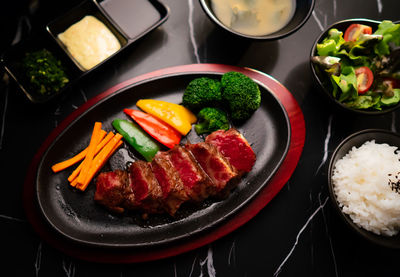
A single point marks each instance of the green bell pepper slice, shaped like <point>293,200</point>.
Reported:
<point>137,138</point>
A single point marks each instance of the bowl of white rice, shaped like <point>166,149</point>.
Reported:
<point>364,184</point>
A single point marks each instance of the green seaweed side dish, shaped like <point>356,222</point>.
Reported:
<point>44,72</point>
<point>379,51</point>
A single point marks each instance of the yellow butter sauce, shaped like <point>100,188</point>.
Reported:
<point>89,41</point>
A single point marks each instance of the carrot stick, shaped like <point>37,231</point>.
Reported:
<point>114,149</point>
<point>90,153</point>
<point>74,182</point>
<point>73,179</point>
<point>100,160</point>
<point>76,172</point>
<point>77,158</point>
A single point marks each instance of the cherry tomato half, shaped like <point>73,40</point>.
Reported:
<point>365,77</point>
<point>355,30</point>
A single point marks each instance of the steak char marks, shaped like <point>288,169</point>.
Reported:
<point>114,191</point>
<point>173,190</point>
<point>221,173</point>
<point>192,173</point>
<point>145,187</point>
<point>195,181</point>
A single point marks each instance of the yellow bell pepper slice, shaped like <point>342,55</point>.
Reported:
<point>175,115</point>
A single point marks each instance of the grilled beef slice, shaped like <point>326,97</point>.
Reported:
<point>147,191</point>
<point>222,175</point>
<point>235,148</point>
<point>173,191</point>
<point>195,181</point>
<point>193,172</point>
<point>113,190</point>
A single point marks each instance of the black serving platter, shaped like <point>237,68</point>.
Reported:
<point>76,216</point>
<point>356,140</point>
<point>303,11</point>
<point>323,80</point>
<point>154,11</point>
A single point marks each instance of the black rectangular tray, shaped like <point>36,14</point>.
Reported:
<point>104,10</point>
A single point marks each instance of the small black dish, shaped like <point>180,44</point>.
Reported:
<point>322,79</point>
<point>113,14</point>
<point>303,11</point>
<point>12,61</point>
<point>357,139</point>
<point>117,15</point>
<point>63,22</point>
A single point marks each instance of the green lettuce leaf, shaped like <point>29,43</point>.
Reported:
<point>361,51</point>
<point>335,87</point>
<point>390,33</point>
<point>365,102</point>
<point>393,100</point>
<point>347,82</point>
<point>330,46</point>
<point>357,55</point>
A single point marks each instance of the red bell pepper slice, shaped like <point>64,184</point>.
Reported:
<point>155,127</point>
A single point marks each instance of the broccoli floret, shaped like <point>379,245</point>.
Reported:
<point>202,92</point>
<point>241,94</point>
<point>211,119</point>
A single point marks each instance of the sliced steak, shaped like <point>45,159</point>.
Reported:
<point>173,191</point>
<point>193,172</point>
<point>196,182</point>
<point>113,190</point>
<point>235,148</point>
<point>223,176</point>
<point>148,194</point>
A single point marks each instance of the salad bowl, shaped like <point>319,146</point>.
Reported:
<point>322,60</point>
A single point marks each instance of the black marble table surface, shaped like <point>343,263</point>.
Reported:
<point>297,234</point>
